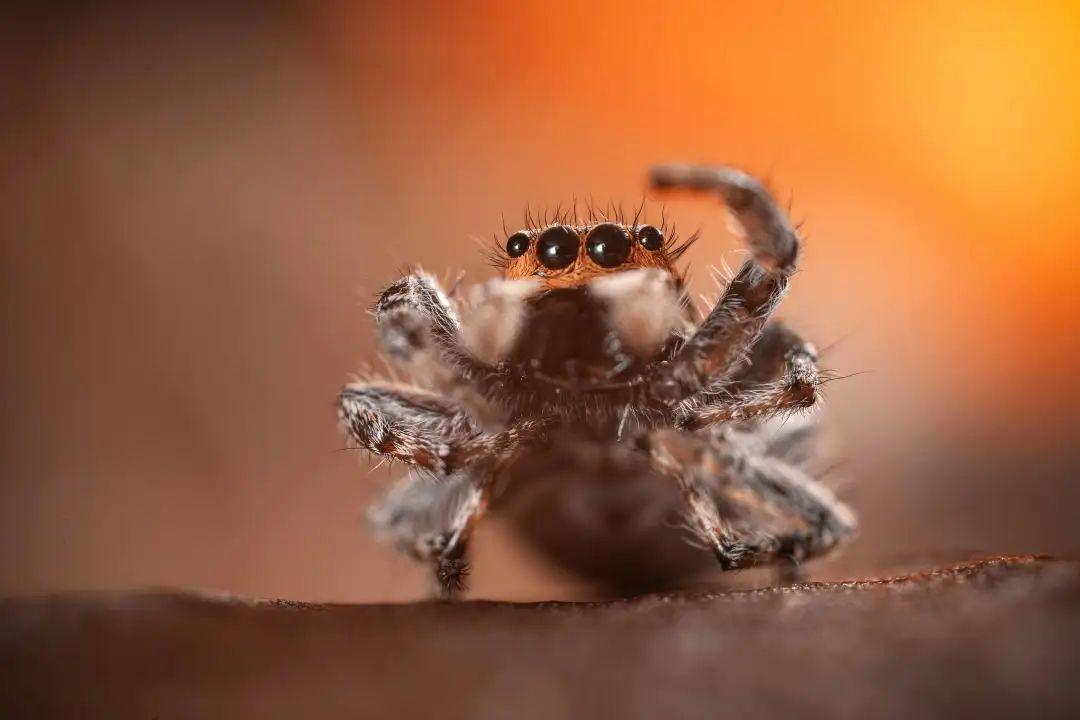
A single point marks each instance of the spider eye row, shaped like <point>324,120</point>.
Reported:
<point>607,244</point>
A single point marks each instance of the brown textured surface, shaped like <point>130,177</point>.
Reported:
<point>999,636</point>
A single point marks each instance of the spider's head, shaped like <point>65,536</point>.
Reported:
<point>581,308</point>
<point>563,256</point>
<point>588,338</point>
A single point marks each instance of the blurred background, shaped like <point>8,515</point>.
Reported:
<point>199,203</point>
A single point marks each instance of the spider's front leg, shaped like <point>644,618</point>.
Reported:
<point>437,436</point>
<point>420,330</point>
<point>782,377</point>
<point>716,351</point>
<point>414,317</point>
<point>750,508</point>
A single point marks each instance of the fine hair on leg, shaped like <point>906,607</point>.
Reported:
<point>721,344</point>
<point>751,509</point>
<point>782,378</point>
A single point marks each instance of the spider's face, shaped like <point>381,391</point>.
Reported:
<point>567,256</point>
<point>580,307</point>
<point>590,337</point>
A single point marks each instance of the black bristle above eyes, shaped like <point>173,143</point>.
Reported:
<point>674,246</point>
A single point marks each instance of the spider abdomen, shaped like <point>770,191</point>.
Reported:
<point>599,511</point>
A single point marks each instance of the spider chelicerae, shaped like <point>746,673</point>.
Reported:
<point>578,394</point>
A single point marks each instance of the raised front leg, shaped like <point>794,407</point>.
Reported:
<point>751,509</point>
<point>713,355</point>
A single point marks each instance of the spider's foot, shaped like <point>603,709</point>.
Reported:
<point>451,575</point>
<point>790,572</point>
<point>732,556</point>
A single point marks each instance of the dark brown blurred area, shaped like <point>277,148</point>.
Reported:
<point>990,639</point>
<point>199,203</point>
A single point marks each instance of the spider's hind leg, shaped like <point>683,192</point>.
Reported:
<point>430,520</point>
<point>439,438</point>
<point>751,509</point>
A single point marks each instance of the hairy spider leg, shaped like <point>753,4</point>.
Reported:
<point>782,377</point>
<point>720,346</point>
<point>714,470</point>
<point>440,438</point>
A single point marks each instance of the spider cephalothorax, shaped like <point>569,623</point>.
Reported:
<point>580,384</point>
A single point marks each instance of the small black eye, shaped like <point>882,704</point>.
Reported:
<point>608,245</point>
<point>557,247</point>
<point>517,244</point>
<point>650,238</point>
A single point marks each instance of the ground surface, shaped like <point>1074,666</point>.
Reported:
<point>998,637</point>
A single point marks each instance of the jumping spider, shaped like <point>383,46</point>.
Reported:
<point>579,385</point>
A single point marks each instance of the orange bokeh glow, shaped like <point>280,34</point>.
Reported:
<point>205,199</point>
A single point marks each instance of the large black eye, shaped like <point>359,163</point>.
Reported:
<point>608,245</point>
<point>557,247</point>
<point>650,238</point>
<point>517,244</point>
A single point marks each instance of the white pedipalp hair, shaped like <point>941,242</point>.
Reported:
<point>644,308</point>
<point>493,317</point>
